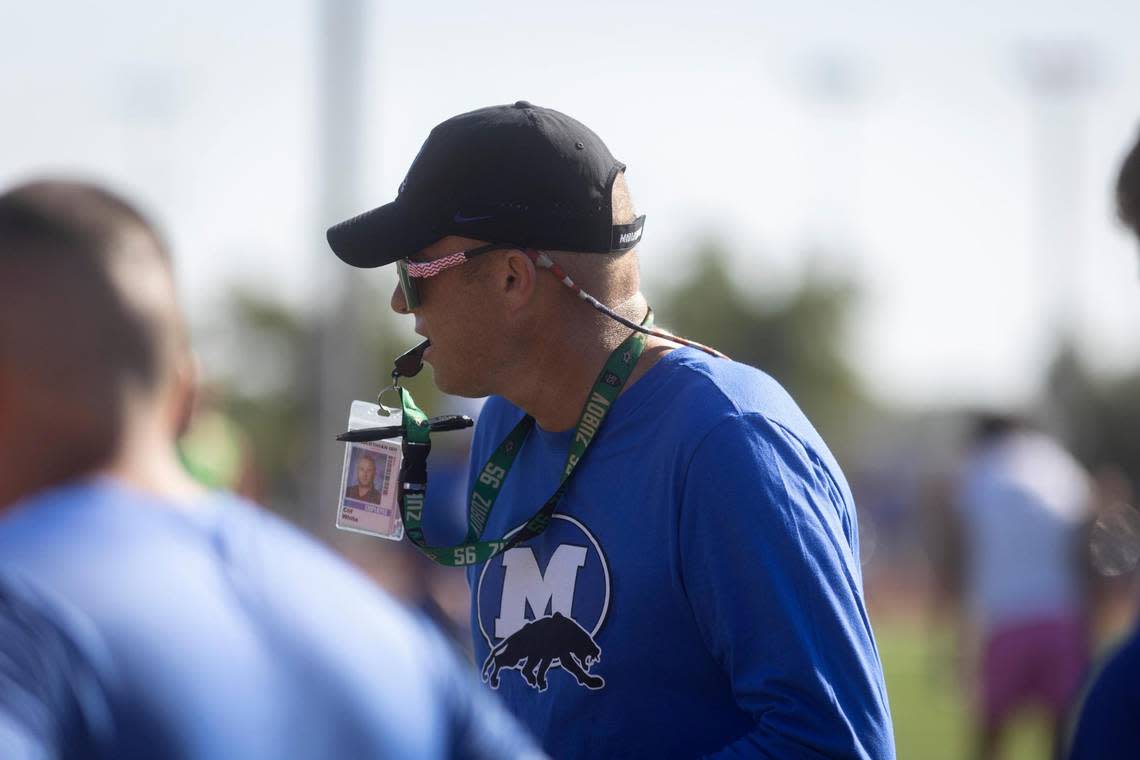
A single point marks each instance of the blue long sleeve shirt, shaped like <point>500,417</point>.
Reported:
<point>698,591</point>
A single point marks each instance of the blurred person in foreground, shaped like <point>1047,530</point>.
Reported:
<point>1022,508</point>
<point>141,616</point>
<point>1109,722</point>
<point>696,588</point>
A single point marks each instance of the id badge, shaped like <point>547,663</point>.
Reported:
<point>369,485</point>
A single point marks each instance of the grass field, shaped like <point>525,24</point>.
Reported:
<point>931,716</point>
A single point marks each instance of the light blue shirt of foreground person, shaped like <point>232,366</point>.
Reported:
<point>131,628</point>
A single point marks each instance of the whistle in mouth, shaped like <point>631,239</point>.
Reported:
<point>409,363</point>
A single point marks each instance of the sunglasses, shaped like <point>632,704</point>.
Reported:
<point>410,271</point>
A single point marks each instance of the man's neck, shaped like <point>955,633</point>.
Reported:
<point>148,462</point>
<point>560,371</point>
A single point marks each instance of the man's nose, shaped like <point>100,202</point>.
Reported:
<point>398,303</point>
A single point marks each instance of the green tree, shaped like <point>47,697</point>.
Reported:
<point>1098,416</point>
<point>798,338</point>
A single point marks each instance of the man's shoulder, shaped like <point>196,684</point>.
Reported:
<point>81,540</point>
<point>719,405</point>
<point>101,515</point>
<point>713,380</point>
<point>706,391</point>
<point>685,395</point>
<point>38,526</point>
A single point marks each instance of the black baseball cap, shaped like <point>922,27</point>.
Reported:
<point>513,174</point>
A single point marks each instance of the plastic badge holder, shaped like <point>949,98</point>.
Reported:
<point>370,483</point>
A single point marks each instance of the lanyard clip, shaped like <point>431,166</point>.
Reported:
<point>393,388</point>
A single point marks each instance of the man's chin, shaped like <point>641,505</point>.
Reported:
<point>442,380</point>
<point>452,386</point>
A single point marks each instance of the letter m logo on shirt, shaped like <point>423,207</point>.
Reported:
<point>563,573</point>
<point>543,593</point>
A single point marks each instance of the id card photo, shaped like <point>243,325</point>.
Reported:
<point>368,504</point>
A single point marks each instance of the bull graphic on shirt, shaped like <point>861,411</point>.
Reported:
<point>540,645</point>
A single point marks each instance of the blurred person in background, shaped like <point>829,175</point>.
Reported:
<point>1109,722</point>
<point>1022,506</point>
<point>696,588</point>
<point>141,616</point>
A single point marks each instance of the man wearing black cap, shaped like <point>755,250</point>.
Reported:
<point>692,586</point>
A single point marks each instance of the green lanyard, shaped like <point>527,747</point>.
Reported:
<point>417,444</point>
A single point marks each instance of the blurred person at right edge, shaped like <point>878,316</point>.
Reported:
<point>1022,508</point>
<point>142,616</point>
<point>1109,722</point>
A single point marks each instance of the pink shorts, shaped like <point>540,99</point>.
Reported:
<point>1039,662</point>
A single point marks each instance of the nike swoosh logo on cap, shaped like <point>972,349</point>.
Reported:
<point>461,219</point>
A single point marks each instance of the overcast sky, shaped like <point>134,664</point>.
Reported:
<point>903,132</point>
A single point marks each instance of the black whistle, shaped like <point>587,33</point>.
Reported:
<point>409,363</point>
<point>438,424</point>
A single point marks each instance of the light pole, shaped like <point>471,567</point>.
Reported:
<point>339,294</point>
<point>1059,75</point>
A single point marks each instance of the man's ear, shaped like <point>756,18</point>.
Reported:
<point>184,401</point>
<point>516,277</point>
